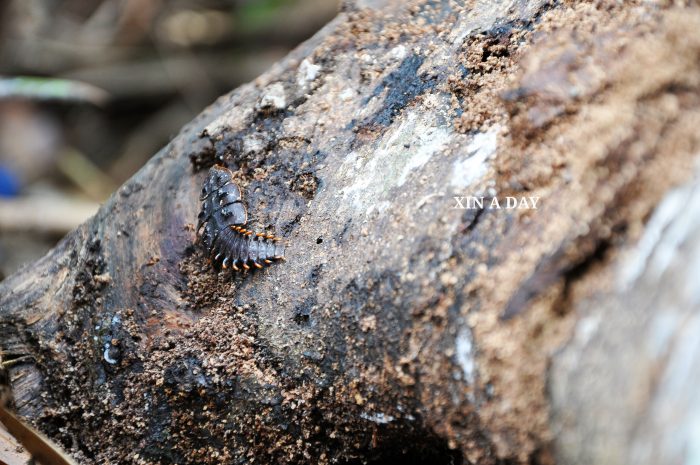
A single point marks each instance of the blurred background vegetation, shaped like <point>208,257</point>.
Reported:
<point>90,90</point>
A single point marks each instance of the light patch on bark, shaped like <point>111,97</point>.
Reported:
<point>669,225</point>
<point>274,97</point>
<point>464,351</point>
<point>378,418</point>
<point>475,165</point>
<point>307,72</point>
<point>402,153</point>
<point>231,120</point>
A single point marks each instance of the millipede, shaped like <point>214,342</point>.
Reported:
<point>221,226</point>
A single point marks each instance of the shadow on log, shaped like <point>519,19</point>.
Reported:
<point>407,325</point>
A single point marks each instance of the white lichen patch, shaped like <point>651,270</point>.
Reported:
<point>480,151</point>
<point>398,53</point>
<point>400,155</point>
<point>253,143</point>
<point>347,95</point>
<point>232,120</point>
<point>307,72</point>
<point>491,13</point>
<point>379,418</point>
<point>428,144</point>
<point>274,97</point>
<point>464,352</point>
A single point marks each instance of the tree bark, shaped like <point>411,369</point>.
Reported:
<point>402,326</point>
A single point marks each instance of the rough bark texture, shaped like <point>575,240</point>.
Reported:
<point>400,327</point>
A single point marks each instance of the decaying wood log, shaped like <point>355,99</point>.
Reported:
<point>402,326</point>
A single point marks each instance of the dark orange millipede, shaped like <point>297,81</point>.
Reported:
<point>221,226</point>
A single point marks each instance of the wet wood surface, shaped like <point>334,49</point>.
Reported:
<point>401,327</point>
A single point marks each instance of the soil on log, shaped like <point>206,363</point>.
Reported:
<point>401,327</point>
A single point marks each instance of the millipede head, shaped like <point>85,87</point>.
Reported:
<point>218,176</point>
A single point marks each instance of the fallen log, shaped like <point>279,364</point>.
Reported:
<point>422,315</point>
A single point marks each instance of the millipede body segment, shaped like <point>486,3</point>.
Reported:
<point>221,226</point>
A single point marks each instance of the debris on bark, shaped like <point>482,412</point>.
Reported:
<point>401,327</point>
